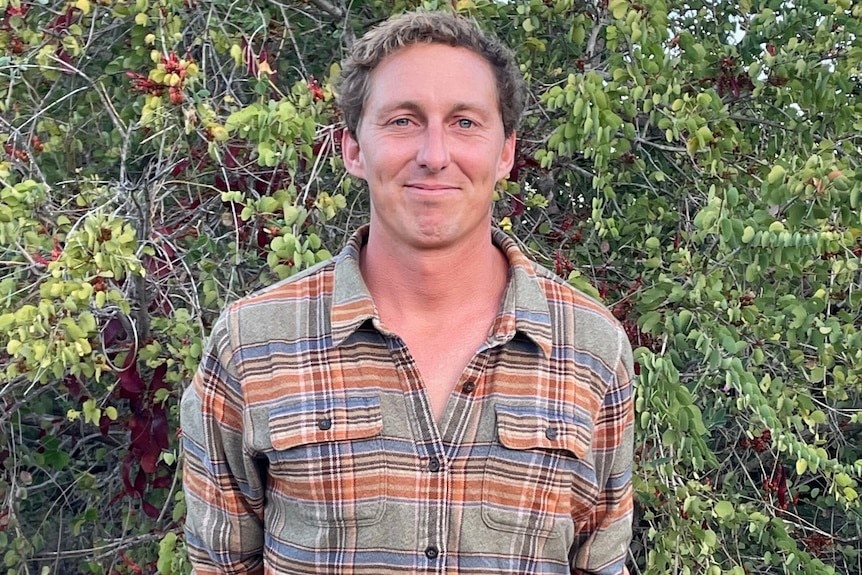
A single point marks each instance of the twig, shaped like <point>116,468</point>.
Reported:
<point>664,147</point>
<point>329,8</point>
<point>99,551</point>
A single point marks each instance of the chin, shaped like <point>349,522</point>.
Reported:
<point>431,239</point>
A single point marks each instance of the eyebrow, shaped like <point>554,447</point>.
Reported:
<point>405,105</point>
<point>417,109</point>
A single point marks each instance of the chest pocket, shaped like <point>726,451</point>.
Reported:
<point>328,462</point>
<point>538,473</point>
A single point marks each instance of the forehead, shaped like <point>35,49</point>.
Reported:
<point>432,73</point>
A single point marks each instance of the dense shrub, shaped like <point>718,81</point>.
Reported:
<point>695,166</point>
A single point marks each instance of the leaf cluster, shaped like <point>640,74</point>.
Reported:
<point>694,166</point>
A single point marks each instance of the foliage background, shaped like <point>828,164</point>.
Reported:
<point>695,165</point>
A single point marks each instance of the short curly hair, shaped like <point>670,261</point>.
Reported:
<point>419,27</point>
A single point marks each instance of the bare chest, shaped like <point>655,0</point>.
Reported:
<point>441,360</point>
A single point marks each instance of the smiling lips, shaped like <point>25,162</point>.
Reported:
<point>432,187</point>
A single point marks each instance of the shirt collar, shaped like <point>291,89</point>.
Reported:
<point>525,305</point>
<point>351,302</point>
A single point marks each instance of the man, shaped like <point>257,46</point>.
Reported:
<point>429,401</point>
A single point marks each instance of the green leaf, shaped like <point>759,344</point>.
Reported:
<point>724,510</point>
<point>619,8</point>
<point>581,283</point>
<point>92,413</point>
<point>649,320</point>
<point>776,174</point>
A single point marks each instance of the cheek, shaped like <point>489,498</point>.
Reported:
<point>387,166</point>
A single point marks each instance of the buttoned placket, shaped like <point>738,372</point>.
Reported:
<point>432,468</point>
<point>436,444</point>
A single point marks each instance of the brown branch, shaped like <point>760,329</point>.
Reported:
<point>329,8</point>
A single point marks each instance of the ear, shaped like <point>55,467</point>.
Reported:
<point>352,155</point>
<point>507,157</point>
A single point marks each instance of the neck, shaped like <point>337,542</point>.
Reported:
<point>409,282</point>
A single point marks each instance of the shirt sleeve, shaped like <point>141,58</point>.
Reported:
<point>224,490</point>
<point>605,540</point>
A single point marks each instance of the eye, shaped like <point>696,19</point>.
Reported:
<point>401,122</point>
<point>466,123</point>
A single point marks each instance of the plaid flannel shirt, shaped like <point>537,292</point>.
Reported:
<point>310,445</point>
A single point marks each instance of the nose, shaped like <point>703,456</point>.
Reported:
<point>433,153</point>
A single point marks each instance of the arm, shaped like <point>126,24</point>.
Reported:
<point>223,487</point>
<point>605,540</point>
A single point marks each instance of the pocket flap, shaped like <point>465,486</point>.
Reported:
<point>528,427</point>
<point>325,420</point>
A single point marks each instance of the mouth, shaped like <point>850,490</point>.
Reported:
<point>431,188</point>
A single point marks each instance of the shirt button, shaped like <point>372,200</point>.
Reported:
<point>468,387</point>
<point>434,465</point>
<point>551,433</point>
<point>431,552</point>
<point>324,424</point>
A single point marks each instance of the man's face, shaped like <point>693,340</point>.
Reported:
<point>431,146</point>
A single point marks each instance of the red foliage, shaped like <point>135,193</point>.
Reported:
<point>61,23</point>
<point>144,85</point>
<point>148,429</point>
<point>314,86</point>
